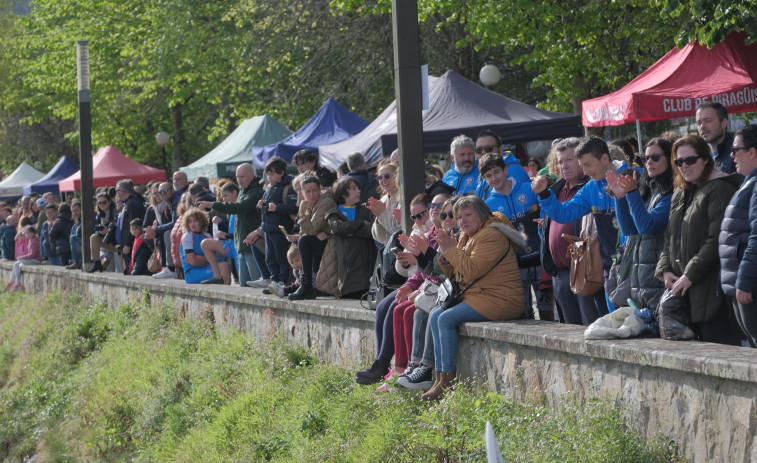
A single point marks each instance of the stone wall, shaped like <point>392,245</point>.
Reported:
<point>702,396</point>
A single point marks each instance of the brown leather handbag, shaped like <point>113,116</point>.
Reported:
<point>586,273</point>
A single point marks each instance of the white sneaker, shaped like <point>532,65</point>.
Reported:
<point>165,274</point>
<point>260,283</point>
<point>277,289</point>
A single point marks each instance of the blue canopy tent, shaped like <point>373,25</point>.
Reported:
<point>49,183</point>
<point>332,123</point>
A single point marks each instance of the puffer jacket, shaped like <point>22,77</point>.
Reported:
<point>350,252</point>
<point>646,221</point>
<point>498,295</point>
<point>734,233</point>
<point>313,217</point>
<point>691,242</point>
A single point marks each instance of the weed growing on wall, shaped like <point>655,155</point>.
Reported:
<point>80,381</point>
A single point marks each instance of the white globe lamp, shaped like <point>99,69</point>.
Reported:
<point>489,75</point>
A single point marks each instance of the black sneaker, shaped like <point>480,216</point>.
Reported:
<point>421,378</point>
<point>409,370</point>
<point>372,375</point>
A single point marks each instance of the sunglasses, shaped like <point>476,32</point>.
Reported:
<point>736,149</point>
<point>446,215</point>
<point>384,176</point>
<point>164,191</point>
<point>689,161</point>
<point>654,157</point>
<point>486,148</point>
<point>419,215</point>
<point>102,203</point>
<point>435,205</point>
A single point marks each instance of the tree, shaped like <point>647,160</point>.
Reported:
<point>710,21</point>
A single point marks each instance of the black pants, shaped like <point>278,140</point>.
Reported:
<point>717,330</point>
<point>311,251</point>
<point>746,316</point>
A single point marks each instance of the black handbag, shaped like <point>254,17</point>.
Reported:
<point>449,294</point>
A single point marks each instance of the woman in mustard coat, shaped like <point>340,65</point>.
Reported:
<point>485,252</point>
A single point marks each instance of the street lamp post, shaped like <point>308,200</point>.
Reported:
<point>85,147</point>
<point>162,138</point>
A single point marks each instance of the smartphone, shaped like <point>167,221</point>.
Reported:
<point>283,230</point>
<point>395,250</point>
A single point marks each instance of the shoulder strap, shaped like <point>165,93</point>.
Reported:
<point>493,267</point>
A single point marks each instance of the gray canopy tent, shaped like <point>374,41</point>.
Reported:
<point>456,106</point>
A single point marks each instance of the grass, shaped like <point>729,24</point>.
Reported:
<point>80,381</point>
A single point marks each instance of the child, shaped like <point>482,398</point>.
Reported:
<point>21,236</point>
<point>193,261</point>
<point>29,255</point>
<point>141,253</point>
<point>293,256</point>
<point>278,206</point>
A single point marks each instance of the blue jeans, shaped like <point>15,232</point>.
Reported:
<point>248,269</point>
<point>259,257</point>
<point>443,325</point>
<point>75,241</point>
<point>54,260</point>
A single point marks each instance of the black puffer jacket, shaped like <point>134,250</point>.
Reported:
<point>734,233</point>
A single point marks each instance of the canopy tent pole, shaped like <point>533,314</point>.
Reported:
<point>638,135</point>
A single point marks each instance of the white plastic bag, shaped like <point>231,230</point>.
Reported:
<point>621,323</point>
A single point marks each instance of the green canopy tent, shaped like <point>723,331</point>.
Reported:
<point>236,149</point>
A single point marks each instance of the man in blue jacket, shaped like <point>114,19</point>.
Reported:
<point>737,243</point>
<point>593,156</point>
<point>489,142</point>
<point>464,172</point>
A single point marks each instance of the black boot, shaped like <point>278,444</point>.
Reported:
<point>304,292</point>
<point>372,375</point>
<point>97,266</point>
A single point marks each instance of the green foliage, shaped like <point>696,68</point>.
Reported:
<point>709,22</point>
<point>137,383</point>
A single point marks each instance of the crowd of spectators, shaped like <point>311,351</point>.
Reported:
<point>680,217</point>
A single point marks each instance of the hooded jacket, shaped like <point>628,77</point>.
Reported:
<point>349,255</point>
<point>498,295</point>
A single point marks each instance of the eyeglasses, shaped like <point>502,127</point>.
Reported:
<point>435,205</point>
<point>689,161</point>
<point>384,176</point>
<point>736,149</point>
<point>654,157</point>
<point>446,215</point>
<point>486,148</point>
<point>419,215</point>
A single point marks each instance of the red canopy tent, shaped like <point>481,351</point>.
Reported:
<point>681,80</point>
<point>109,166</point>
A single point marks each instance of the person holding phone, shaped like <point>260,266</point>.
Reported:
<point>277,207</point>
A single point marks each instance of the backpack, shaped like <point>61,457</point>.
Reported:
<point>384,278</point>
